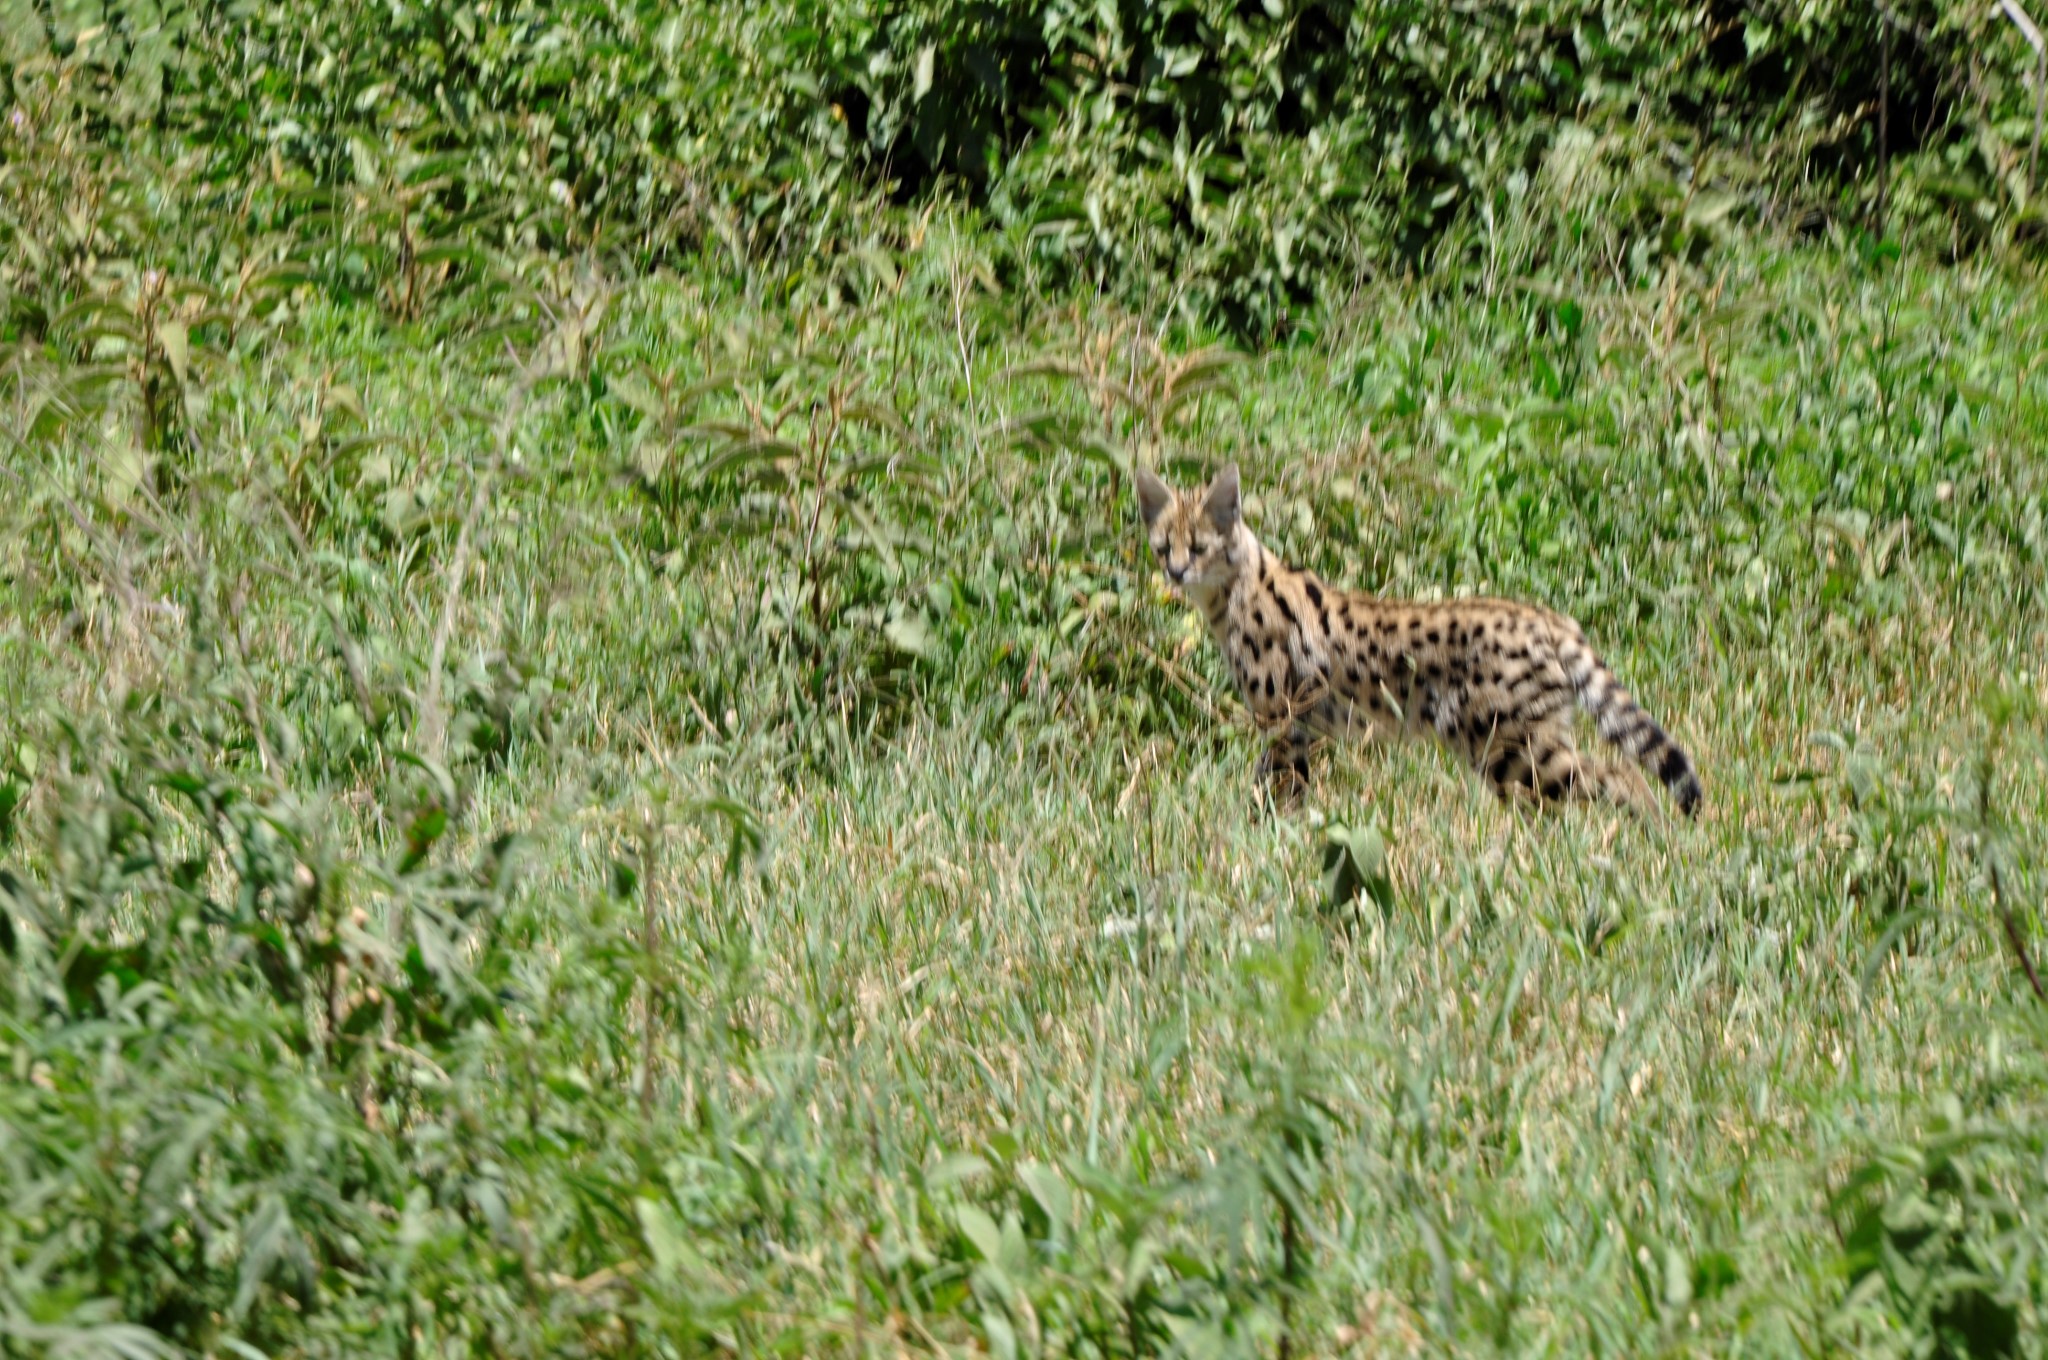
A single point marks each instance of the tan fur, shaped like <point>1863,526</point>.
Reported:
<point>1495,680</point>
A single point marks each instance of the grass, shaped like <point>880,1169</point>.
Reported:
<point>898,962</point>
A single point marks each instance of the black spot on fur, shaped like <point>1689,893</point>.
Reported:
<point>1315,594</point>
<point>1674,767</point>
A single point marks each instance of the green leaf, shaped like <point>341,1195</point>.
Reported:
<point>878,537</point>
<point>1050,1189</point>
<point>451,254</point>
<point>981,1232</point>
<point>744,836</point>
<point>668,1240</point>
<point>1713,1273</point>
<point>909,632</point>
<point>1101,452</point>
<point>1002,1337</point>
<point>875,414</point>
<point>640,395</point>
<point>177,343</point>
<point>269,1238</point>
<point>169,1172</point>
<point>1710,207</point>
<point>960,1166</point>
<point>747,455</point>
<point>117,1340</point>
<point>1354,865</point>
<point>425,828</point>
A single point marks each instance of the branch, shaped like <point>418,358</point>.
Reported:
<point>2012,930</point>
<point>433,712</point>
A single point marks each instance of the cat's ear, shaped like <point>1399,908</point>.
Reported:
<point>1153,495</point>
<point>1221,504</point>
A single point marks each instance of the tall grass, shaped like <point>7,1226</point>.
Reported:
<point>833,916</point>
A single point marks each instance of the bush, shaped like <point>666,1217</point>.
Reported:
<point>1250,153</point>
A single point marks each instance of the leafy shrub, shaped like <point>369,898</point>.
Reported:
<point>1937,1237</point>
<point>1250,153</point>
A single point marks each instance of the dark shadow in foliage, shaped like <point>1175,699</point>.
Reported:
<point>1943,1243</point>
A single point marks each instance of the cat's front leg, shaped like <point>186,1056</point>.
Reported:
<point>1283,768</point>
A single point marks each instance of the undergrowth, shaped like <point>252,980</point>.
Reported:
<point>617,780</point>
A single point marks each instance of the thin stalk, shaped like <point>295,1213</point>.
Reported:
<point>650,930</point>
<point>1289,1252</point>
<point>2012,930</point>
<point>1884,115</point>
<point>2032,33</point>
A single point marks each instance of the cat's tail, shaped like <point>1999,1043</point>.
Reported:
<point>1623,722</point>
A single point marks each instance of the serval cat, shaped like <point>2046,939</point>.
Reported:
<point>1495,680</point>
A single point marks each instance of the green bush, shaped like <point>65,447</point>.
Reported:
<point>1223,157</point>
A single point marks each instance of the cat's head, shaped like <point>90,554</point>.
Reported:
<point>1193,533</point>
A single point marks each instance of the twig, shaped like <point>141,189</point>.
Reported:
<point>1884,115</point>
<point>2012,929</point>
<point>351,655</point>
<point>433,715</point>
<point>252,712</point>
<point>1912,27</point>
<point>392,1046</point>
<point>649,928</point>
<point>2032,34</point>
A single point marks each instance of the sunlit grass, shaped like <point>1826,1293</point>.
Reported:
<point>1589,1082</point>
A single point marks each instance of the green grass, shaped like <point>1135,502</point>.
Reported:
<point>988,1008</point>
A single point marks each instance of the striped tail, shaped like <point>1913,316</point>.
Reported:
<point>1624,723</point>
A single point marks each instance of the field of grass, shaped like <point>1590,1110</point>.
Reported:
<point>689,824</point>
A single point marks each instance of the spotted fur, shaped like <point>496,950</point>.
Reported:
<point>1495,680</point>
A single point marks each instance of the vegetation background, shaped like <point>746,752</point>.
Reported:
<point>589,762</point>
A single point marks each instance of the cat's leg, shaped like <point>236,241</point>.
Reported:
<point>1549,768</point>
<point>1283,768</point>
